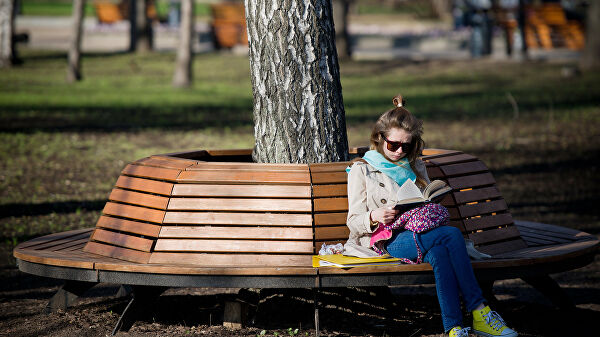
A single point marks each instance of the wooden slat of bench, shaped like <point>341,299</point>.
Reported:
<point>493,235</point>
<point>464,168</point>
<point>503,247</point>
<point>329,177</point>
<point>533,241</point>
<point>139,199</point>
<point>544,236</point>
<point>334,190</point>
<point>551,228</point>
<point>477,194</point>
<point>549,233</point>
<point>135,227</point>
<point>232,260</point>
<point>329,167</point>
<point>182,269</point>
<point>435,172</point>
<point>248,167</point>
<point>233,246</point>
<point>117,252</point>
<point>438,153</point>
<point>476,180</point>
<point>451,159</point>
<point>134,212</point>
<point>208,232</point>
<point>61,258</point>
<point>51,245</point>
<point>559,251</point>
<point>122,240</point>
<point>52,237</point>
<point>326,219</point>
<point>489,221</point>
<point>481,208</point>
<point>332,233</point>
<point>258,191</point>
<point>144,185</point>
<point>245,177</point>
<point>250,205</point>
<point>167,162</point>
<point>331,205</point>
<point>251,219</point>
<point>151,172</point>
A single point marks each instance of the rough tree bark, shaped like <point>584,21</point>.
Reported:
<point>183,66</point>
<point>140,30</point>
<point>590,59</point>
<point>74,64</point>
<point>7,28</point>
<point>298,108</point>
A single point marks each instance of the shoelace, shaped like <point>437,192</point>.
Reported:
<point>464,332</point>
<point>494,320</point>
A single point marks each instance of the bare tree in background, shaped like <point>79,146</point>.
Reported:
<point>590,59</point>
<point>340,18</point>
<point>141,35</point>
<point>74,59</point>
<point>298,108</point>
<point>183,66</point>
<point>7,28</point>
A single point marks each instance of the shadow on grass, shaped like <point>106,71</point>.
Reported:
<point>30,209</point>
<point>80,119</point>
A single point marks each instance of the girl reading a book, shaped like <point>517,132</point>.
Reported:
<point>377,227</point>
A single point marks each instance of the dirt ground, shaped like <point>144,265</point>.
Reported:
<point>411,311</point>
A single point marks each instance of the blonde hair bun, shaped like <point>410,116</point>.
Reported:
<point>399,101</point>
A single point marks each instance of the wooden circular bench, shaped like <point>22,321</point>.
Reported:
<point>215,219</point>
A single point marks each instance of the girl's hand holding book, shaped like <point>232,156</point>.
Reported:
<point>384,215</point>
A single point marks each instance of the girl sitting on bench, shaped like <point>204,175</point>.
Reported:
<point>373,185</point>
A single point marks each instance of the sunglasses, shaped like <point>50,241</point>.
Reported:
<point>394,146</point>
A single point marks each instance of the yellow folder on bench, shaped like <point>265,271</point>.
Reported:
<point>343,261</point>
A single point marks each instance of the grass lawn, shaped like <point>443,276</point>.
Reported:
<point>62,146</point>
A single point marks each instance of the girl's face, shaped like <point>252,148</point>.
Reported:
<point>396,142</point>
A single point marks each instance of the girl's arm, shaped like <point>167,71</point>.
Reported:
<point>358,213</point>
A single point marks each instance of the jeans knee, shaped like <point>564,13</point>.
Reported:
<point>452,233</point>
<point>436,255</point>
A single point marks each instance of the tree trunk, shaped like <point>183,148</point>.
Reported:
<point>74,66</point>
<point>7,27</point>
<point>298,108</point>
<point>442,9</point>
<point>340,19</point>
<point>141,35</point>
<point>591,52</point>
<point>183,67</point>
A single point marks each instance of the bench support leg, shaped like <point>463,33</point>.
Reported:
<point>67,295</point>
<point>141,302</point>
<point>549,288</point>
<point>316,305</point>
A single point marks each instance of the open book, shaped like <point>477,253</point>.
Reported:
<point>412,196</point>
<point>343,261</point>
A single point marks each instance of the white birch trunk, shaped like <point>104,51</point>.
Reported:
<point>298,108</point>
<point>7,27</point>
<point>74,64</point>
<point>183,66</point>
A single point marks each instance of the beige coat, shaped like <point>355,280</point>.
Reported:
<point>369,189</point>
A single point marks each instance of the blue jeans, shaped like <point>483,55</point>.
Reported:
<point>443,248</point>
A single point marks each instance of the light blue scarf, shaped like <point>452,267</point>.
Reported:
<point>399,172</point>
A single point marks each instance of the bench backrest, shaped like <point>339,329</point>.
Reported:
<point>216,208</point>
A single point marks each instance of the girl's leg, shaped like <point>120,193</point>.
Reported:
<point>446,286</point>
<point>451,238</point>
<point>403,245</point>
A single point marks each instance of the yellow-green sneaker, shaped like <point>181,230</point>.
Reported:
<point>489,324</point>
<point>457,331</point>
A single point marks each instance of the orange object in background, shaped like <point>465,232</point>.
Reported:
<point>548,27</point>
<point>108,11</point>
<point>229,25</point>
